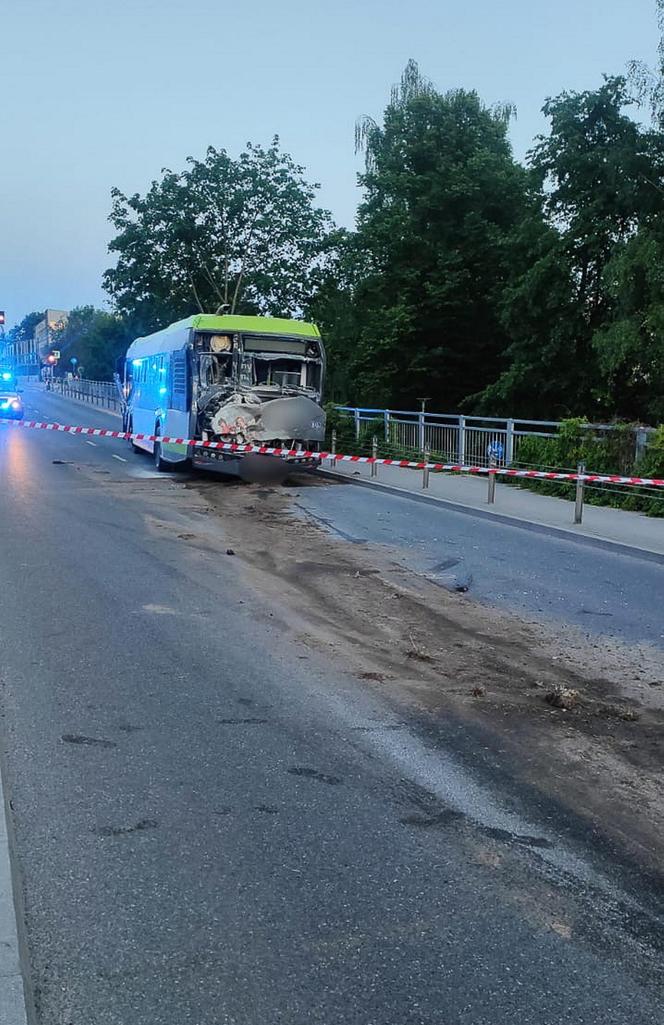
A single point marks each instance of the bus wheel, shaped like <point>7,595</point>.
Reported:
<point>159,461</point>
<point>129,429</point>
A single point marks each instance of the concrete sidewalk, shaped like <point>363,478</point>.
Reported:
<point>616,526</point>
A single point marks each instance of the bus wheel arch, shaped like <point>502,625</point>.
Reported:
<point>159,461</point>
<point>130,430</point>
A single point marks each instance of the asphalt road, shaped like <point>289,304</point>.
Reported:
<point>534,573</point>
<point>209,828</point>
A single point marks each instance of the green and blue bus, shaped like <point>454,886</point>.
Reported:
<point>244,380</point>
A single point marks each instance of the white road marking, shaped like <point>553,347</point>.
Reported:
<point>120,459</point>
<point>93,443</point>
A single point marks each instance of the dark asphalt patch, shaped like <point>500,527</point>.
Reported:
<point>523,841</point>
<point>250,721</point>
<point>322,777</point>
<point>379,728</point>
<point>445,564</point>
<point>138,827</point>
<point>443,818</point>
<point>75,738</point>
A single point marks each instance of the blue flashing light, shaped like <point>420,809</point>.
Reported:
<point>162,391</point>
<point>6,376</point>
<point>5,405</point>
<point>136,362</point>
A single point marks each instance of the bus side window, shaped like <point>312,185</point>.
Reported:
<point>164,379</point>
<point>179,380</point>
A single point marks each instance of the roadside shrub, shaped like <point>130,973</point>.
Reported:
<point>609,452</point>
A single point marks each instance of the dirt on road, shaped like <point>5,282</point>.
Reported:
<point>581,721</point>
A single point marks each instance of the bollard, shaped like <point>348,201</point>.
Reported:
<point>491,496</point>
<point>334,448</point>
<point>578,505</point>
<point>425,468</point>
<point>374,455</point>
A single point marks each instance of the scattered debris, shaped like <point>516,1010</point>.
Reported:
<point>562,929</point>
<point>562,697</point>
<point>616,712</point>
<point>418,656</point>
<point>478,692</point>
<point>229,551</point>
<point>415,652</point>
<point>186,537</point>
<point>378,677</point>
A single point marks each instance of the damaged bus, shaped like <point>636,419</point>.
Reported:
<point>245,380</point>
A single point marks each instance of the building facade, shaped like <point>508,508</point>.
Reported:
<point>30,353</point>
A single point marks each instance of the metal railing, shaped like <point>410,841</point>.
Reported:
<point>467,440</point>
<point>97,393</point>
<point>452,437</point>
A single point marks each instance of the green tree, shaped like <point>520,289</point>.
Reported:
<point>242,234</point>
<point>544,373</point>
<point>333,309</point>
<point>443,197</point>
<point>25,329</point>
<point>601,181</point>
<point>648,83</point>
<point>96,339</point>
<point>630,346</point>
<point>597,166</point>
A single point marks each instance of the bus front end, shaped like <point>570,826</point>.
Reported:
<point>263,388</point>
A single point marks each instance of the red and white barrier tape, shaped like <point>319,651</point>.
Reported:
<point>102,432</point>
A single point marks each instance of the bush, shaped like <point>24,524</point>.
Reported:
<point>609,453</point>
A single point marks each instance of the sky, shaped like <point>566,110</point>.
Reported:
<point>95,94</point>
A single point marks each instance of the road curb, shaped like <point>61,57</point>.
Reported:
<point>15,982</point>
<point>566,534</point>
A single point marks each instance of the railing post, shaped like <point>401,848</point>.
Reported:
<point>356,414</point>
<point>386,418</point>
<point>461,446</point>
<point>640,443</point>
<point>420,431</point>
<point>334,448</point>
<point>509,443</point>
<point>578,505</point>
<point>374,454</point>
<point>491,495</point>
<point>425,469</point>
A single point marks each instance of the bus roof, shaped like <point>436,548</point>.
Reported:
<point>175,336</point>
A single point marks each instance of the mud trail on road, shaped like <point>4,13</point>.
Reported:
<point>442,652</point>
